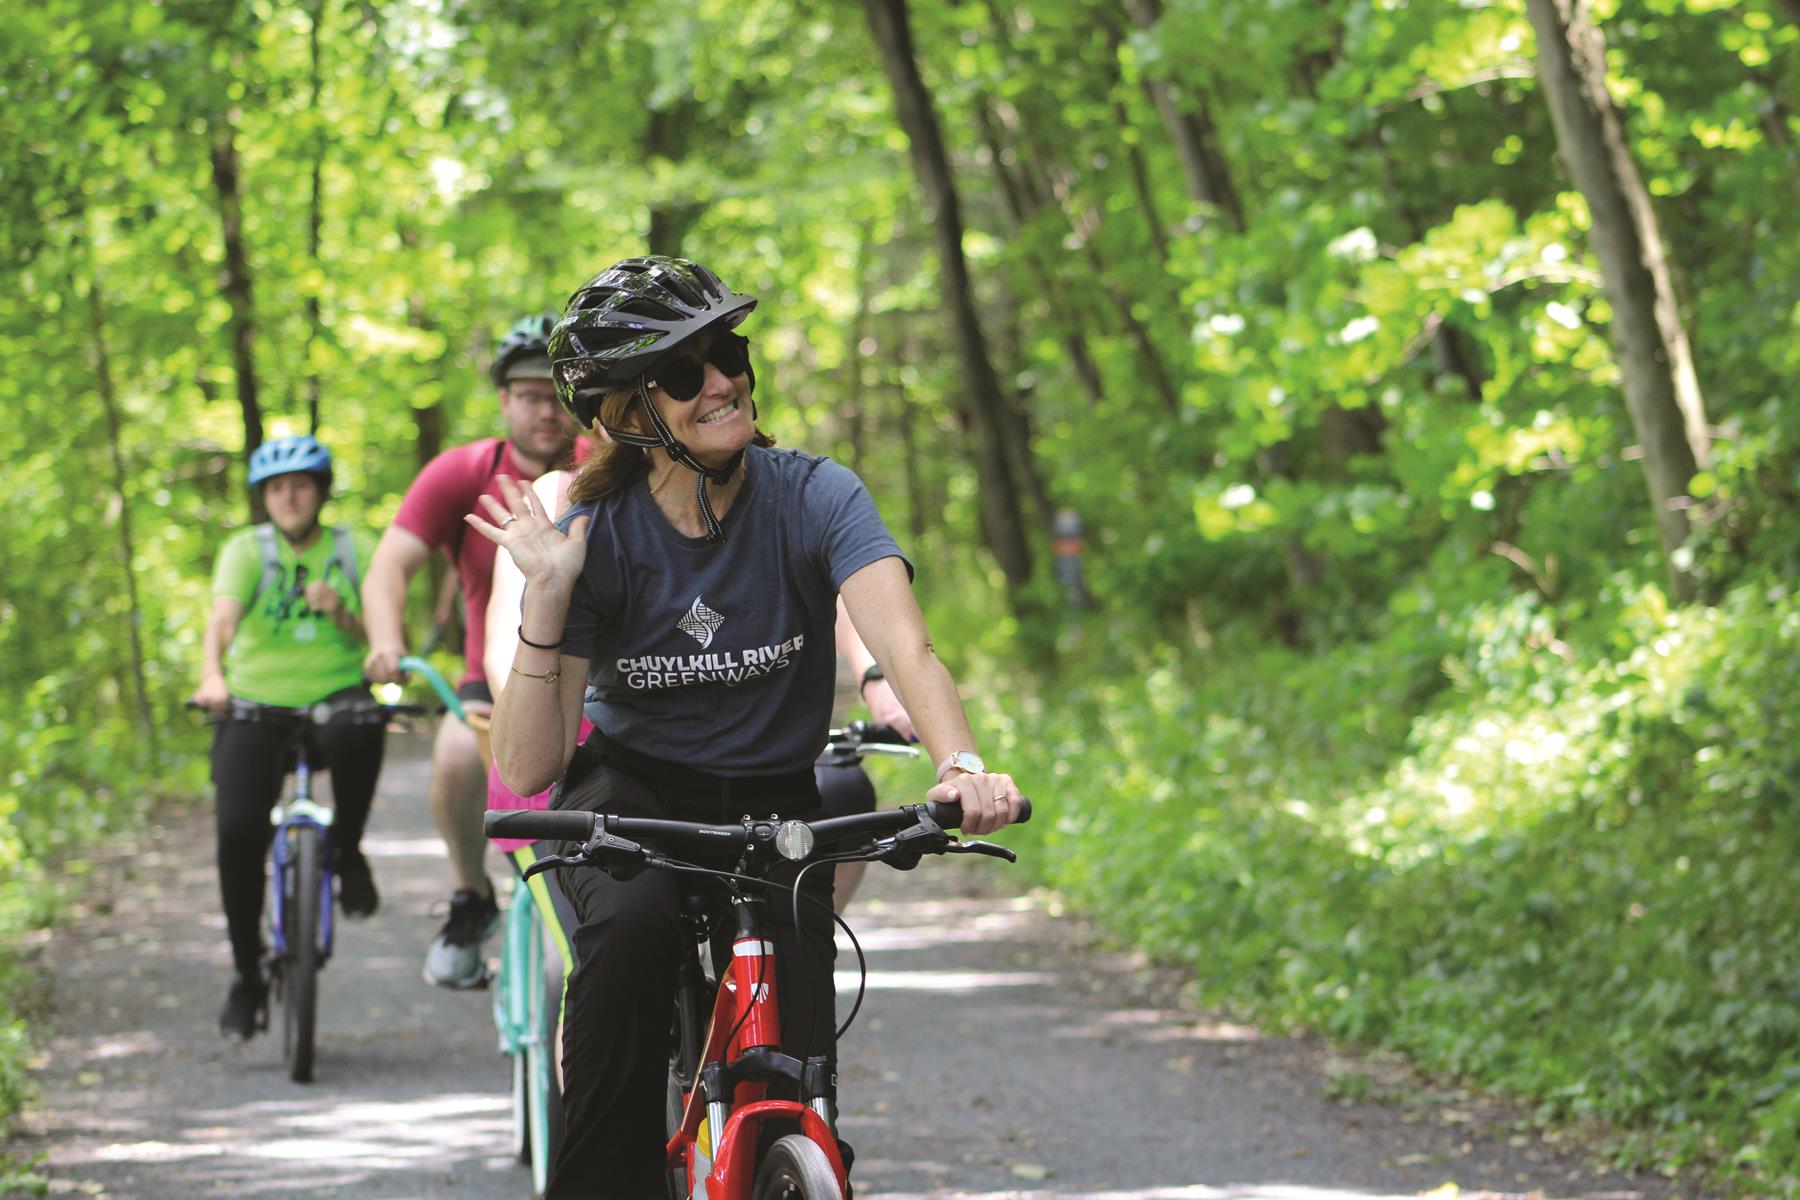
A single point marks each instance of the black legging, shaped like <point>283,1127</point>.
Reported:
<point>248,764</point>
<point>617,1010</point>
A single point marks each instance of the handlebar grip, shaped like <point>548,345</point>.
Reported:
<point>532,824</point>
<point>948,814</point>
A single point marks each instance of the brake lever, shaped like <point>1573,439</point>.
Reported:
<point>903,850</point>
<point>627,858</point>
<point>551,862</point>
<point>987,848</point>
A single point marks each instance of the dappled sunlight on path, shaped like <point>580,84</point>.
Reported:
<point>1001,1054</point>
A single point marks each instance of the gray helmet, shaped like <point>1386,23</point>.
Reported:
<point>629,317</point>
<point>529,337</point>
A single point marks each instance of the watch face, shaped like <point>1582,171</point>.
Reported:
<point>969,761</point>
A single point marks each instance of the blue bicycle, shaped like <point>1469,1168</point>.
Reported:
<point>300,915</point>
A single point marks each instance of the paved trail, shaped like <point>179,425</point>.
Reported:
<point>1000,1056</point>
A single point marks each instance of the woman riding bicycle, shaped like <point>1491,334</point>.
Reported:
<point>286,631</point>
<point>693,586</point>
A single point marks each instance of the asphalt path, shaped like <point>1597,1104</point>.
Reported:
<point>1001,1054</point>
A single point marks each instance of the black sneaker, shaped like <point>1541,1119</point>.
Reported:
<point>454,960</point>
<point>245,1004</point>
<point>356,887</point>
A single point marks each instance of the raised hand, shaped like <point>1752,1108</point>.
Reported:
<point>545,555</point>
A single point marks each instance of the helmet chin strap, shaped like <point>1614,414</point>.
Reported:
<point>679,453</point>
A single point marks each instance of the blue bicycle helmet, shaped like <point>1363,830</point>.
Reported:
<point>291,456</point>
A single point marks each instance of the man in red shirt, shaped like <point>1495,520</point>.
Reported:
<point>539,436</point>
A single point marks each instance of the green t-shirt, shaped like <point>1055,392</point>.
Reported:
<point>284,653</point>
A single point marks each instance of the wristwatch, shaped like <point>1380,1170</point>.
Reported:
<point>963,760</point>
<point>869,676</point>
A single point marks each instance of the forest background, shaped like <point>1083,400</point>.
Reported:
<point>1416,373</point>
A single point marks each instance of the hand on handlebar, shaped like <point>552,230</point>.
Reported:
<point>989,802</point>
<point>382,664</point>
<point>885,708</point>
<point>211,695</point>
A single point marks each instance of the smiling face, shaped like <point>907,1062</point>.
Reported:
<point>293,502</point>
<point>716,423</point>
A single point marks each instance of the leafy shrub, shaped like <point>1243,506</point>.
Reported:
<point>1567,876</point>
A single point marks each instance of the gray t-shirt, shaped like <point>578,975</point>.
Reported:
<point>720,656</point>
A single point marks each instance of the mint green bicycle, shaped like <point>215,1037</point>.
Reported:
<point>526,989</point>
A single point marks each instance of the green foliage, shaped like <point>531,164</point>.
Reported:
<point>1365,519</point>
<point>1568,878</point>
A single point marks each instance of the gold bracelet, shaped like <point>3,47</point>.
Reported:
<point>549,676</point>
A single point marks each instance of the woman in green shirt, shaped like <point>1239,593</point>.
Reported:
<point>285,630</point>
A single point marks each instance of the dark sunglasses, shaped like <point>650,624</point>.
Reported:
<point>681,377</point>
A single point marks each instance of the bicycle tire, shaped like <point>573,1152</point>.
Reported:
<point>795,1168</point>
<point>302,968</point>
<point>687,1041</point>
<point>672,1108</point>
<point>542,1099</point>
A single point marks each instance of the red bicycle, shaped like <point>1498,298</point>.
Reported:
<point>720,1070</point>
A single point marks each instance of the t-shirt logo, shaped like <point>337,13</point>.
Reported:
<point>700,622</point>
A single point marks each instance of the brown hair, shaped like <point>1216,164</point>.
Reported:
<point>615,466</point>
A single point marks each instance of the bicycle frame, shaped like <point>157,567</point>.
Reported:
<point>742,1052</point>
<point>300,809</point>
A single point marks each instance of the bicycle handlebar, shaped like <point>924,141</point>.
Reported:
<point>317,714</point>
<point>439,684</point>
<point>578,825</point>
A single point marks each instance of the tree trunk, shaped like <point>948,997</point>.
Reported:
<point>1085,225</point>
<point>109,399</point>
<point>663,138</point>
<point>856,407</point>
<point>1003,522</point>
<point>314,215</point>
<point>1190,127</point>
<point>909,446</point>
<point>235,284</point>
<point>1655,363</point>
<point>1140,170</point>
<point>1047,281</point>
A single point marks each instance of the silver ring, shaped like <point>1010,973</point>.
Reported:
<point>507,522</point>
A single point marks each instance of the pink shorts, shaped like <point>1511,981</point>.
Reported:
<point>499,796</point>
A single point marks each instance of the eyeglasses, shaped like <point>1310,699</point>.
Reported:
<point>682,377</point>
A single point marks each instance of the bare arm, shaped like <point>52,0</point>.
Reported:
<point>398,557</point>
<point>221,630</point>
<point>883,703</point>
<point>538,715</point>
<point>880,602</point>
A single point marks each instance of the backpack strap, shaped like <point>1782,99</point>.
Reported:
<point>270,550</point>
<point>343,553</point>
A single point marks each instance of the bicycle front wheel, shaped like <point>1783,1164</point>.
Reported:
<point>301,971</point>
<point>542,981</point>
<point>795,1168</point>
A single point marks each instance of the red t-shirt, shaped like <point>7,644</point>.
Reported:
<point>445,491</point>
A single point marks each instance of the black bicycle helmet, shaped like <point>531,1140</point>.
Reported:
<point>529,337</point>
<point>619,325</point>
<point>629,317</point>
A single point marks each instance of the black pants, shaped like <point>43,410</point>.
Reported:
<point>620,1001</point>
<point>249,761</point>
